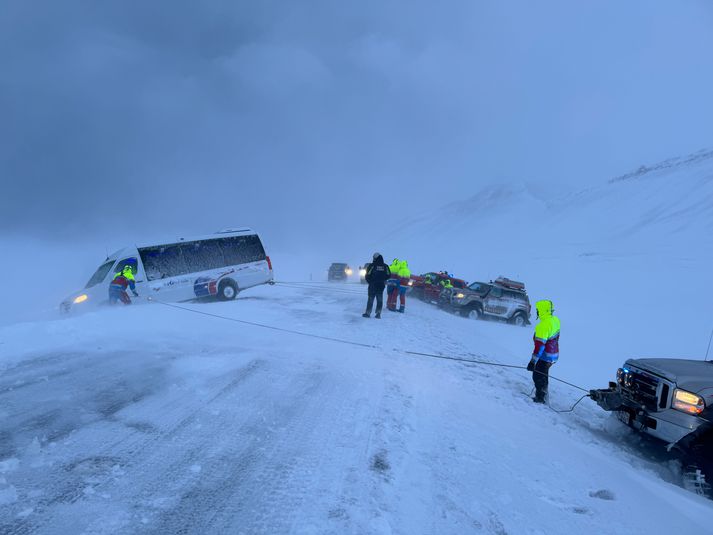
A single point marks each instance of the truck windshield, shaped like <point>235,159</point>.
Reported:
<point>100,274</point>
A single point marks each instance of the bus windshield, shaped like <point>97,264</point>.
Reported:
<point>100,274</point>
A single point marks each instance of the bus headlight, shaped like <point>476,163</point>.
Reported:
<point>80,299</point>
<point>688,402</point>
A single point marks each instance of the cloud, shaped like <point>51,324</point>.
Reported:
<point>134,118</point>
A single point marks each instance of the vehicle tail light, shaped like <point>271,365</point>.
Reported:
<point>269,262</point>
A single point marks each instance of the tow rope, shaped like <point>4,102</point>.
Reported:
<point>373,346</point>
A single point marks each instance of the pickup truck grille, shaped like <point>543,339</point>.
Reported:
<point>642,389</point>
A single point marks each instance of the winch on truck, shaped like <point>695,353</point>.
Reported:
<point>672,401</point>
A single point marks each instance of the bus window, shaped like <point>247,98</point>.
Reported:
<point>163,262</point>
<point>203,255</point>
<point>242,249</point>
<point>100,274</point>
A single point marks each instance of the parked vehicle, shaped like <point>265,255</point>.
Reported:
<point>672,401</point>
<point>339,272</point>
<point>217,266</point>
<point>431,292</point>
<point>502,299</point>
<point>362,273</point>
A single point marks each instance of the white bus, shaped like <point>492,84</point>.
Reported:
<point>217,266</point>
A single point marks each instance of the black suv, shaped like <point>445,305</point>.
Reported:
<point>338,272</point>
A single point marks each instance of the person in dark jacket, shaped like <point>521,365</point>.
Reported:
<point>377,274</point>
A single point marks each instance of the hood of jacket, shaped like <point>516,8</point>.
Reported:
<point>544,308</point>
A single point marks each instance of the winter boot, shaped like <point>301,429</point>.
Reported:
<point>401,309</point>
<point>365,315</point>
<point>378,315</point>
<point>540,396</point>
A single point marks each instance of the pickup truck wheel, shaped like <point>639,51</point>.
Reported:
<point>227,290</point>
<point>475,313</point>
<point>518,319</point>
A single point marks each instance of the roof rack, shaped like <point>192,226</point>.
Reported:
<point>509,283</point>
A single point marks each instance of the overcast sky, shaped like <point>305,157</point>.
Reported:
<point>329,118</point>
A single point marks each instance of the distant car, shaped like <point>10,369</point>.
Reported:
<point>428,287</point>
<point>362,273</point>
<point>338,272</point>
<point>502,299</point>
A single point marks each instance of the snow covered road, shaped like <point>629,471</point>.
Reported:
<point>155,420</point>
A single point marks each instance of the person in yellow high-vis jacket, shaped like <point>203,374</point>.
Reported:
<point>404,278</point>
<point>546,351</point>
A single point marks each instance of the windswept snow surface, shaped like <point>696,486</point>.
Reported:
<point>150,419</point>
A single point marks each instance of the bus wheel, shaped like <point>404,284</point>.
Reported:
<point>227,290</point>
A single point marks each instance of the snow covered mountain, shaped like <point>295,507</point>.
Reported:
<point>669,205</point>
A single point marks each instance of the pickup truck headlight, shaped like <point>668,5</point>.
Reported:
<point>460,295</point>
<point>80,299</point>
<point>348,271</point>
<point>362,272</point>
<point>688,402</point>
<point>410,283</point>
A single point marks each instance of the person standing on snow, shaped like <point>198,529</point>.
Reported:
<point>377,273</point>
<point>404,278</point>
<point>393,285</point>
<point>117,289</point>
<point>546,352</point>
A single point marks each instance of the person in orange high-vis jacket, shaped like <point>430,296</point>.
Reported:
<point>546,352</point>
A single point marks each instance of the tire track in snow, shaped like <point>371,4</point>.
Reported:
<point>63,485</point>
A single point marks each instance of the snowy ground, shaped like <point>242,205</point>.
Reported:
<point>155,420</point>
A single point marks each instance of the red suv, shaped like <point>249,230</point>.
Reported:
<point>428,287</point>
